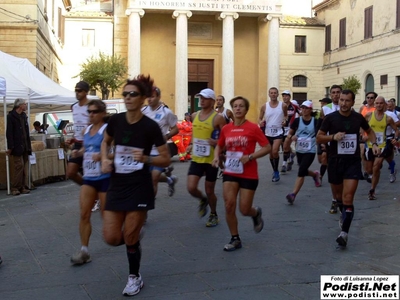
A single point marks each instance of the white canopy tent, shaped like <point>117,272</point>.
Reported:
<point>20,79</point>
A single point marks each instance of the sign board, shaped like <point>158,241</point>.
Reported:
<point>238,6</point>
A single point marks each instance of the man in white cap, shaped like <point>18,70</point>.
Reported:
<point>207,124</point>
<point>292,110</point>
<point>274,115</point>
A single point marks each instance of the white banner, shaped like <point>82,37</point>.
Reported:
<point>359,286</point>
<point>239,6</point>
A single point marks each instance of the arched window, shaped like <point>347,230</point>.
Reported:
<point>299,81</point>
<point>369,84</point>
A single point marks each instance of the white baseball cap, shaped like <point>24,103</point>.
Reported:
<point>286,92</point>
<point>207,93</point>
<point>294,102</point>
<point>307,103</point>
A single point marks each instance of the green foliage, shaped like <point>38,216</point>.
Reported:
<point>351,83</point>
<point>104,73</point>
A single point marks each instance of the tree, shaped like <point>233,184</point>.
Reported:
<point>351,83</point>
<point>104,73</point>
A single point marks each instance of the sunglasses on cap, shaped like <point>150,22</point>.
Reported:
<point>130,94</point>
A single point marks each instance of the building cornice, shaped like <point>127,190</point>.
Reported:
<point>324,4</point>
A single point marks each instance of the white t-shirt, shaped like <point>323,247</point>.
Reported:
<point>81,120</point>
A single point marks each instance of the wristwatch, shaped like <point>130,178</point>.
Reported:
<point>250,157</point>
<point>375,144</point>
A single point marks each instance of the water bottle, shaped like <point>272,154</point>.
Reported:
<point>215,134</point>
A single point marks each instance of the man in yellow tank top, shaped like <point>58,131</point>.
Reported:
<point>205,132</point>
<point>378,121</point>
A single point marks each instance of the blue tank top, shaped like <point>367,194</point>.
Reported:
<point>306,137</point>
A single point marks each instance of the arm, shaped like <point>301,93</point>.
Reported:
<point>173,131</point>
<point>261,115</point>
<point>258,154</point>
<point>106,163</point>
<point>288,140</point>
<point>392,124</point>
<point>372,139</point>
<point>162,160</point>
<point>219,122</point>
<point>285,117</point>
<point>229,113</point>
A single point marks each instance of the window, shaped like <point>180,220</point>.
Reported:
<point>328,38</point>
<point>87,37</point>
<point>398,14</point>
<point>368,22</point>
<point>342,33</point>
<point>384,79</point>
<point>300,81</point>
<point>300,44</point>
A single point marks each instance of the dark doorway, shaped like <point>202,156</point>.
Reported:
<point>200,76</point>
<point>299,97</point>
<point>193,89</point>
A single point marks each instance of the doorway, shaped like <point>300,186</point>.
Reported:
<point>200,76</point>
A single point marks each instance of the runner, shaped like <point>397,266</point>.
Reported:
<point>303,131</point>
<point>378,121</point>
<point>241,173</point>
<point>167,121</point>
<point>223,111</point>
<point>207,124</point>
<point>95,183</point>
<point>292,111</point>
<point>341,129</point>
<point>273,115</point>
<point>131,192</point>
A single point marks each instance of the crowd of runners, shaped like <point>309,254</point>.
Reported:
<point>125,156</point>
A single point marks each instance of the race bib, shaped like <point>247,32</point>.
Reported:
<point>285,131</point>
<point>78,128</point>
<point>124,162</point>
<point>303,144</point>
<point>273,130</point>
<point>91,168</point>
<point>379,138</point>
<point>201,147</point>
<point>348,144</point>
<point>233,163</point>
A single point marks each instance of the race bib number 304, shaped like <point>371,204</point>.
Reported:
<point>124,162</point>
<point>348,144</point>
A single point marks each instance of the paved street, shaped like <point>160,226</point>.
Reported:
<point>183,259</point>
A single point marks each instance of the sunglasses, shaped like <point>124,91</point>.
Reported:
<point>95,111</point>
<point>78,91</point>
<point>370,97</point>
<point>130,94</point>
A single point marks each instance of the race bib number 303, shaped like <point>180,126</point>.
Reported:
<point>124,162</point>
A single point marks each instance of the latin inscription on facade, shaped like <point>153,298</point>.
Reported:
<point>244,6</point>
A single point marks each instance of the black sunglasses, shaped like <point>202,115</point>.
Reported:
<point>95,111</point>
<point>78,91</point>
<point>131,94</point>
<point>370,97</point>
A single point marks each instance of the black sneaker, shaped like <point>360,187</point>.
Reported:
<point>342,239</point>
<point>258,221</point>
<point>334,208</point>
<point>203,207</point>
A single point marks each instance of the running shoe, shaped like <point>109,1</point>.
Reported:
<point>203,207</point>
<point>15,193</point>
<point>290,198</point>
<point>342,239</point>
<point>133,286</point>
<point>168,170</point>
<point>371,195</point>
<point>212,220</point>
<point>283,169</point>
<point>365,176</point>
<point>96,206</point>
<point>233,245</point>
<point>81,258</point>
<point>369,178</point>
<point>171,186</point>
<point>334,208</point>
<point>275,176</point>
<point>317,179</point>
<point>258,222</point>
<point>24,191</point>
<point>220,173</point>
<point>392,177</point>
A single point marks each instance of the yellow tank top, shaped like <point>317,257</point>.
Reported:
<point>203,152</point>
<point>380,130</point>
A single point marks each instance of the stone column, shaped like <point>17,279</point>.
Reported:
<point>273,51</point>
<point>181,63</point>
<point>228,55</point>
<point>134,41</point>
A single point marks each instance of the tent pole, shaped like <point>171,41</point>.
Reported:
<point>29,123</point>
<point>5,146</point>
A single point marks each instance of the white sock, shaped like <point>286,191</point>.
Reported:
<point>85,249</point>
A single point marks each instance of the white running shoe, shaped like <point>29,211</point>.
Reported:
<point>171,186</point>
<point>96,206</point>
<point>133,286</point>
